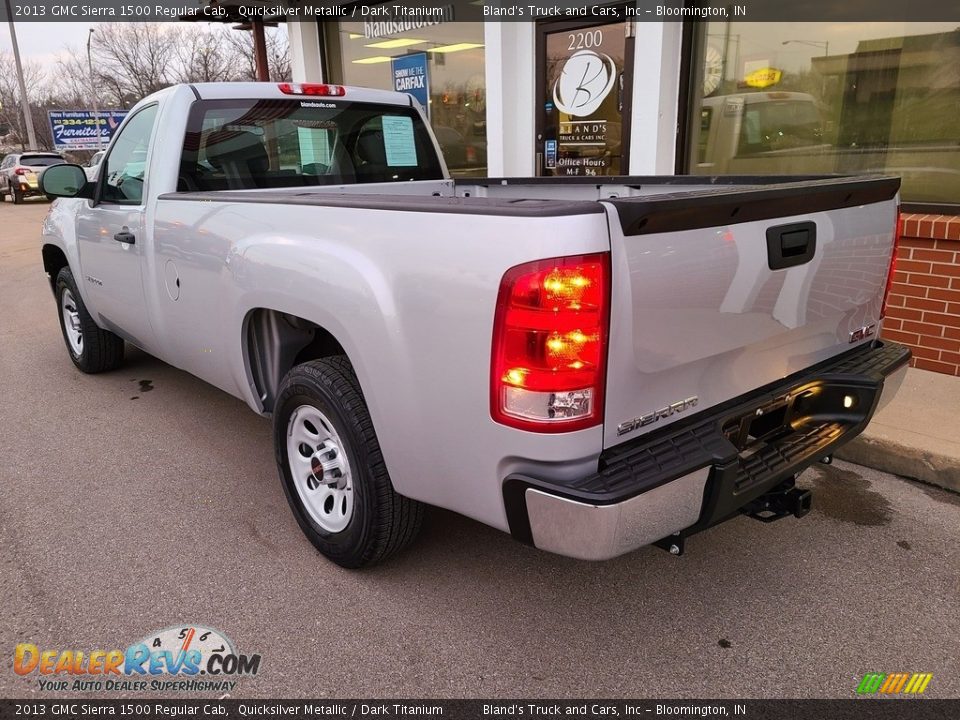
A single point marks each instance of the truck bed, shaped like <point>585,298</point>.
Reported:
<point>700,309</point>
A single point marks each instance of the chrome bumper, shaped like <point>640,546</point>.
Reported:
<point>601,532</point>
<point>696,473</point>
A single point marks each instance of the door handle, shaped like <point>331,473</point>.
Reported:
<point>125,236</point>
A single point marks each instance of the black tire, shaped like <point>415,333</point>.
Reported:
<point>15,195</point>
<point>382,521</point>
<point>101,350</point>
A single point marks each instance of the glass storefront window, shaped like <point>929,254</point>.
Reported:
<point>799,98</point>
<point>448,71</point>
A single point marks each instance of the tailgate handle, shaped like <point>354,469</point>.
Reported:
<point>791,245</point>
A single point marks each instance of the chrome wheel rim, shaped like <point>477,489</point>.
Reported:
<point>71,322</point>
<point>318,464</point>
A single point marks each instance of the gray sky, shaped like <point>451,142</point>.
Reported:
<point>42,42</point>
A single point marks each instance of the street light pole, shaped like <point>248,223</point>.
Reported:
<point>93,93</point>
<point>24,101</point>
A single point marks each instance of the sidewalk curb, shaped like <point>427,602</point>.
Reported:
<point>888,456</point>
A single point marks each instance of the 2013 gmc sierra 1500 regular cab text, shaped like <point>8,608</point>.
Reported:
<point>591,364</point>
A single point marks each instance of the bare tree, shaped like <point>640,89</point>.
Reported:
<point>133,60</point>
<point>203,56</point>
<point>11,109</point>
<point>278,54</point>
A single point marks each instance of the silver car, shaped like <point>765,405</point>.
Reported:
<point>20,173</point>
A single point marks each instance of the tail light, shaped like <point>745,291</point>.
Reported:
<point>550,344</point>
<point>471,154</point>
<point>20,171</point>
<point>320,89</point>
<point>893,264</point>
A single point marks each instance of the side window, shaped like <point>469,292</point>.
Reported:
<point>7,162</point>
<point>127,161</point>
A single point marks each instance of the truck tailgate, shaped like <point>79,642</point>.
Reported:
<point>718,292</point>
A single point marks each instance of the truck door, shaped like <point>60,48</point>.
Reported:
<point>110,234</point>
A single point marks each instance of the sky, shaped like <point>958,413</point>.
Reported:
<point>43,42</point>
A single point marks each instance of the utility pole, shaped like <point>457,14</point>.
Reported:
<point>24,101</point>
<point>93,91</point>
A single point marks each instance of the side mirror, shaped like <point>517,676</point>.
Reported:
<point>65,181</point>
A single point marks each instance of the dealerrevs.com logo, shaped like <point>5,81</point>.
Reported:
<point>189,658</point>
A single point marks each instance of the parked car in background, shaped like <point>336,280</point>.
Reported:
<point>93,167</point>
<point>20,173</point>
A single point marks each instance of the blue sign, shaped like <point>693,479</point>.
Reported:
<point>410,75</point>
<point>77,129</point>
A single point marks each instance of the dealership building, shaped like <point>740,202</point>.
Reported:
<point>597,96</point>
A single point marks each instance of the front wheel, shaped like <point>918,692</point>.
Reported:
<point>332,468</point>
<point>92,349</point>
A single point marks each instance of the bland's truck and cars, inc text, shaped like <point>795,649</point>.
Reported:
<point>592,366</point>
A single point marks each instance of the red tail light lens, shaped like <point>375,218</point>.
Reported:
<point>897,231</point>
<point>20,171</point>
<point>550,344</point>
<point>320,89</point>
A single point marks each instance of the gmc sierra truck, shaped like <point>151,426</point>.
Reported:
<point>593,365</point>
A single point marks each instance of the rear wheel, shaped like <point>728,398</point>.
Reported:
<point>91,348</point>
<point>332,468</point>
<point>16,195</point>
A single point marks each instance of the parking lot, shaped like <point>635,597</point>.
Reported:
<point>144,498</point>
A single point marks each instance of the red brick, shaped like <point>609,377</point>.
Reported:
<point>936,366</point>
<point>900,337</point>
<point>953,230</point>
<point>953,235</point>
<point>915,291</point>
<point>941,269</point>
<point>903,313</point>
<point>951,320</point>
<point>912,266</point>
<point>921,243</point>
<point>928,280</point>
<point>950,357</point>
<point>890,323</point>
<point>924,304</point>
<point>901,277</point>
<point>925,228</point>
<point>952,333</point>
<point>905,253</point>
<point>940,343</point>
<point>945,295</point>
<point>940,226</point>
<point>896,301</point>
<point>953,309</point>
<point>926,353</point>
<point>925,328</point>
<point>941,256</point>
<point>955,283</point>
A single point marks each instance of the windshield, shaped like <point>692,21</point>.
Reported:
<point>246,144</point>
<point>41,160</point>
<point>779,125</point>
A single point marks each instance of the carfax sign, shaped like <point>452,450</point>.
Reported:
<point>77,129</point>
<point>410,75</point>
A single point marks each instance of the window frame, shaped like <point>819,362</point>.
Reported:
<point>98,198</point>
<point>686,146</point>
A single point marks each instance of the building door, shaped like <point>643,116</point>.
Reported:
<point>584,77</point>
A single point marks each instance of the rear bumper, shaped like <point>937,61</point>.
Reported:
<point>700,471</point>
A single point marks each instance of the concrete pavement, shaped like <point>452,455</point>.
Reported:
<point>143,498</point>
<point>917,435</point>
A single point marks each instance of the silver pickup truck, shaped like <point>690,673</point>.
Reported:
<point>591,364</point>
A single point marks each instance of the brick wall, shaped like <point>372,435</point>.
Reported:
<point>924,307</point>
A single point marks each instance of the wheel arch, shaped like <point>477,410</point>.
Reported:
<point>54,260</point>
<point>274,342</point>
